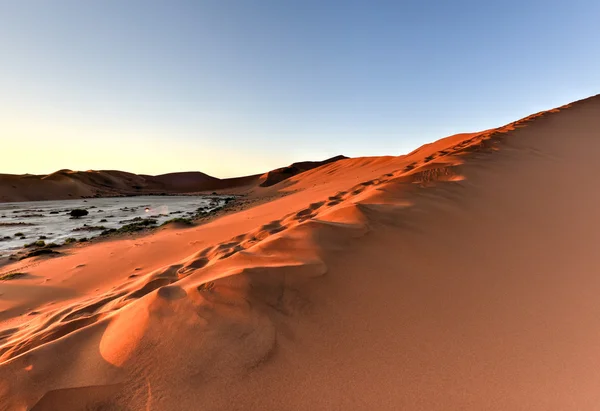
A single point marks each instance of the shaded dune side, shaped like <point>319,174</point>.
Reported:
<point>232,299</point>
<point>67,184</point>
<point>276,176</point>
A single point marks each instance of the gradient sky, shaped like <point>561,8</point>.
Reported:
<point>234,87</point>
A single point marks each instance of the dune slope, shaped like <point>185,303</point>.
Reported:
<point>276,176</point>
<point>461,276</point>
<point>68,184</point>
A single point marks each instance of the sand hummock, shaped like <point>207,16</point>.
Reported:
<point>462,276</point>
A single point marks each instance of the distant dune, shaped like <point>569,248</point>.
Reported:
<point>462,276</point>
<point>68,184</point>
<point>280,174</point>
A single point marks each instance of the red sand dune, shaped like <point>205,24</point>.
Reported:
<point>276,176</point>
<point>462,276</point>
<point>68,184</point>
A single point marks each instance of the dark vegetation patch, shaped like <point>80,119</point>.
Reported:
<point>12,276</point>
<point>39,243</point>
<point>90,228</point>
<point>38,252</point>
<point>78,212</point>
<point>179,220</point>
<point>138,224</point>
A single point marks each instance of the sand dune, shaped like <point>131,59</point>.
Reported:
<point>68,184</point>
<point>459,277</point>
<point>276,176</point>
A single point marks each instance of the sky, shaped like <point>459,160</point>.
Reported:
<point>237,87</point>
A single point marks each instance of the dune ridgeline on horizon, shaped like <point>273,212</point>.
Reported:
<point>68,184</point>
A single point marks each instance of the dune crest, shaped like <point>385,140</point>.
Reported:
<point>416,282</point>
<point>68,184</point>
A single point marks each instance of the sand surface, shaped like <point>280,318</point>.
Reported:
<point>69,185</point>
<point>462,276</point>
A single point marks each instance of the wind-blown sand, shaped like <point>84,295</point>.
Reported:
<point>463,276</point>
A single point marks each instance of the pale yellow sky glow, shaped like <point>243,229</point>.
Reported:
<point>41,145</point>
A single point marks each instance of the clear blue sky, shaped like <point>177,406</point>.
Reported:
<point>233,87</point>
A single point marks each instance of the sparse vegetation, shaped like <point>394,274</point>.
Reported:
<point>11,276</point>
<point>179,220</point>
<point>39,243</point>
<point>138,225</point>
<point>144,223</point>
<point>78,212</point>
<point>90,228</point>
<point>39,251</point>
<point>131,220</point>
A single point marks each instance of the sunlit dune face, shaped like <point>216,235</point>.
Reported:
<point>123,335</point>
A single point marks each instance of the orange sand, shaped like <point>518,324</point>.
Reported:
<point>68,184</point>
<point>462,276</point>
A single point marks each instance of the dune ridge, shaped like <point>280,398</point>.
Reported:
<point>381,292</point>
<point>68,184</point>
